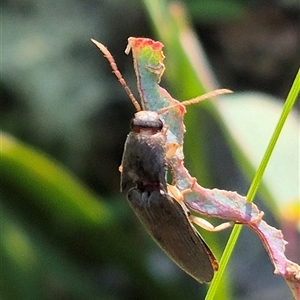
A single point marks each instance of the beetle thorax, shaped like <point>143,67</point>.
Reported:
<point>146,122</point>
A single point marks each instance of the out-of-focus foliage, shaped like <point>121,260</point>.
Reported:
<point>67,238</point>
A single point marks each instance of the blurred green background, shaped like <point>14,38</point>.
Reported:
<point>66,231</point>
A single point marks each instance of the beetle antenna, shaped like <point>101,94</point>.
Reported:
<point>197,99</point>
<point>118,74</point>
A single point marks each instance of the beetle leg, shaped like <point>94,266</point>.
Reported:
<point>174,192</point>
<point>179,197</point>
<point>208,226</point>
<point>171,149</point>
<point>177,194</point>
<point>165,129</point>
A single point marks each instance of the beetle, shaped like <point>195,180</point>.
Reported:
<point>166,219</point>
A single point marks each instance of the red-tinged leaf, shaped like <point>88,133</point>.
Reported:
<point>148,62</point>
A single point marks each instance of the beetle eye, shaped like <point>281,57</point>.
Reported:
<point>153,125</point>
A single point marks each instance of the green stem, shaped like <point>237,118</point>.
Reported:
<point>290,101</point>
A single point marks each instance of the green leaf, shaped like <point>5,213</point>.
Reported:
<point>52,187</point>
